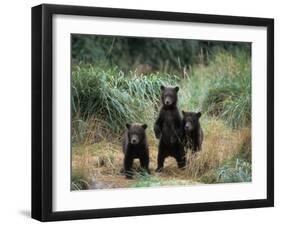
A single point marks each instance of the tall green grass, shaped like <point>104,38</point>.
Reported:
<point>113,98</point>
<point>107,99</point>
<point>221,89</point>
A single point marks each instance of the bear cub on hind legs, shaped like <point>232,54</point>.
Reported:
<point>135,146</point>
<point>168,128</point>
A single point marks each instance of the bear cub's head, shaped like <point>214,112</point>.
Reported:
<point>169,96</point>
<point>136,133</point>
<point>190,120</point>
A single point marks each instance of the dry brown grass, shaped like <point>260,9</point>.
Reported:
<point>102,161</point>
<point>220,144</point>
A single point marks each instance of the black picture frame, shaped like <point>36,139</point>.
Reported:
<point>42,111</point>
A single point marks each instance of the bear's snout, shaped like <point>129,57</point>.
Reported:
<point>168,101</point>
<point>134,139</point>
<point>188,126</point>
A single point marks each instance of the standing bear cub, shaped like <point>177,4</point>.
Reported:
<point>135,147</point>
<point>168,128</point>
<point>193,131</point>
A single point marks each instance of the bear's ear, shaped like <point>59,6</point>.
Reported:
<point>177,88</point>
<point>162,87</point>
<point>183,112</point>
<point>144,126</point>
<point>198,114</point>
<point>128,125</point>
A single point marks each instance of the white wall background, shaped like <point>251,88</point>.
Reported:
<point>15,118</point>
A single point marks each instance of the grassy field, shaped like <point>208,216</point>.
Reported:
<point>104,100</point>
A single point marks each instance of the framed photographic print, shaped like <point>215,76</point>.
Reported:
<point>146,112</point>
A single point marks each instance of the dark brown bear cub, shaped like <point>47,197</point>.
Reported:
<point>193,131</point>
<point>135,147</point>
<point>168,128</point>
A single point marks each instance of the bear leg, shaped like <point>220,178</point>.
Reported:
<point>128,163</point>
<point>144,162</point>
<point>160,162</point>
<point>181,158</point>
<point>161,157</point>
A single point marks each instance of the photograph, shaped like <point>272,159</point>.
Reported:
<point>159,112</point>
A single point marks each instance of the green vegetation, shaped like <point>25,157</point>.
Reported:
<point>80,180</point>
<point>233,170</point>
<point>113,98</point>
<point>166,55</point>
<point>154,181</point>
<point>223,89</point>
<point>108,91</point>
